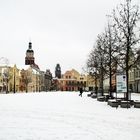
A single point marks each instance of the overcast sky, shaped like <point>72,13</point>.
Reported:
<point>61,31</point>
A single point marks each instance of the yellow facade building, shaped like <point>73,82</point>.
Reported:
<point>25,79</point>
<point>72,80</point>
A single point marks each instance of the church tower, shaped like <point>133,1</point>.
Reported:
<point>58,71</point>
<point>29,59</point>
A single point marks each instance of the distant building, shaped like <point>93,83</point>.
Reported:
<point>58,71</point>
<point>55,84</point>
<point>48,80</point>
<point>72,80</point>
<point>26,78</point>
<point>13,76</point>
<point>42,80</point>
<point>134,79</point>
<point>29,59</point>
<point>4,78</point>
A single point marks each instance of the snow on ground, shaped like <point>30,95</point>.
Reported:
<point>65,116</point>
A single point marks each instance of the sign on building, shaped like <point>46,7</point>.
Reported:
<point>121,83</point>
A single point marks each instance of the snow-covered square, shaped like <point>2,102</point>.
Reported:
<point>65,116</point>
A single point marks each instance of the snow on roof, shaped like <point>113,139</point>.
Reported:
<point>25,67</point>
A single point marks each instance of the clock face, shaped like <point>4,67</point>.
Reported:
<point>29,54</point>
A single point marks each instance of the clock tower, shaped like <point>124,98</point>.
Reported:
<point>29,59</point>
<point>58,71</point>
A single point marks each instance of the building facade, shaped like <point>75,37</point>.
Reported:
<point>72,80</point>
<point>9,79</point>
<point>48,80</point>
<point>26,79</point>
<point>134,80</point>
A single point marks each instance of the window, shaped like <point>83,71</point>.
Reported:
<point>139,74</point>
<point>84,82</point>
<point>66,88</point>
<point>69,89</point>
<point>72,88</point>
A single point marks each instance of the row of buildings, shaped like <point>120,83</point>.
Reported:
<point>72,80</point>
<point>29,78</point>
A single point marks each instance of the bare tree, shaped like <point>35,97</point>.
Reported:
<point>126,17</point>
<point>110,50</point>
<point>97,63</point>
<point>92,66</point>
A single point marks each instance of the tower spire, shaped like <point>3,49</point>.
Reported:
<point>30,45</point>
<point>29,59</point>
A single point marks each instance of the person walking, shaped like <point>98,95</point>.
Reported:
<point>81,91</point>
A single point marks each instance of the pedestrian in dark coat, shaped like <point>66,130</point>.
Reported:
<point>81,91</point>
